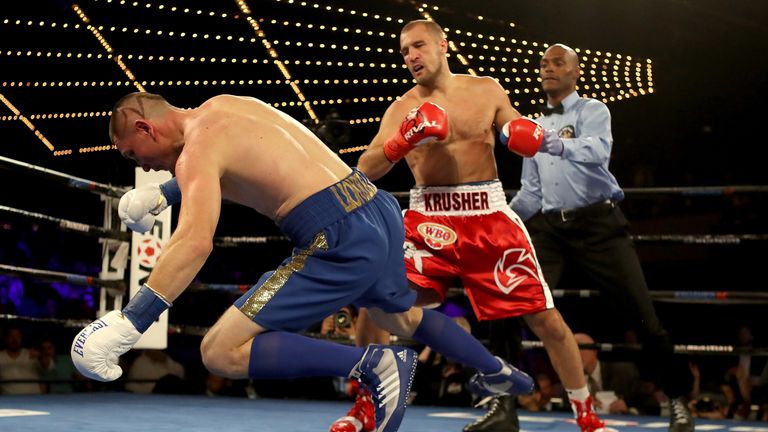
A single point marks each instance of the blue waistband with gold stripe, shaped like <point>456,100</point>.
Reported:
<point>326,207</point>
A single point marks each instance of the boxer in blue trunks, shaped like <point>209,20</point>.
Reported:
<point>348,239</point>
<point>349,225</point>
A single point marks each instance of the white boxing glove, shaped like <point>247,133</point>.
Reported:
<point>96,349</point>
<point>138,207</point>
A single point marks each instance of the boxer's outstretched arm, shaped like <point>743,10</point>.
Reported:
<point>96,349</point>
<point>192,240</point>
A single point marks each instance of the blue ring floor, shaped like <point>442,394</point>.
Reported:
<point>116,412</point>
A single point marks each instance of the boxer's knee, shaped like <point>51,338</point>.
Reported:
<point>226,348</point>
<point>211,354</point>
<point>401,323</point>
<point>428,298</point>
<point>227,361</point>
<point>367,332</point>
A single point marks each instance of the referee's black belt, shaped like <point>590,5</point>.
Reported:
<point>565,215</point>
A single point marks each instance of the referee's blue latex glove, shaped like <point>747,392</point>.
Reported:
<point>552,144</point>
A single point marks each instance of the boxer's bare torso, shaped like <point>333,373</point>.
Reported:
<point>467,154</point>
<point>267,160</point>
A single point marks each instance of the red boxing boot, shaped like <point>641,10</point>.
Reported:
<point>361,418</point>
<point>587,418</point>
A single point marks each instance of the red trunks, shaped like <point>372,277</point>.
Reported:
<point>468,232</point>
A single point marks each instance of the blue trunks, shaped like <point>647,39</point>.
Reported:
<point>349,250</point>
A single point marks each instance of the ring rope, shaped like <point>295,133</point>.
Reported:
<point>682,190</point>
<point>716,239</point>
<point>708,297</point>
<point>677,295</point>
<point>69,323</point>
<point>713,239</point>
<point>688,297</point>
<point>117,192</point>
<point>678,348</point>
<point>234,241</point>
<point>230,288</point>
<point>69,225</point>
<point>72,181</point>
<point>54,276</point>
<point>664,296</point>
<point>699,190</point>
<point>237,241</point>
<point>605,347</point>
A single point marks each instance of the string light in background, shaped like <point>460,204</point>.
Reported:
<point>67,84</point>
<point>97,148</point>
<point>332,46</point>
<point>365,120</point>
<point>606,76</point>
<point>19,116</point>
<point>356,31</point>
<point>55,54</point>
<point>203,59</point>
<point>481,57</point>
<point>336,101</point>
<point>95,114</point>
<point>162,7</point>
<point>97,34</point>
<point>70,115</point>
<point>196,83</point>
<point>483,45</point>
<point>353,149</point>
<point>138,31</point>
<point>343,11</point>
<point>590,68</point>
<point>273,53</point>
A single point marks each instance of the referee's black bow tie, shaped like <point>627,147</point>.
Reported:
<point>556,110</point>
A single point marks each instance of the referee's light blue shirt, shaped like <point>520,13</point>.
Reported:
<point>580,176</point>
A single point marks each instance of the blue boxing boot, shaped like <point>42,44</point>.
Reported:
<point>387,371</point>
<point>509,380</point>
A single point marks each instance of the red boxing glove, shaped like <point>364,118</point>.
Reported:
<point>424,124</point>
<point>522,136</point>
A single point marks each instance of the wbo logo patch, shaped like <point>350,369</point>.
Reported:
<point>437,236</point>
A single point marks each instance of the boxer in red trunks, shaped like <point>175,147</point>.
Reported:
<point>458,224</point>
<point>496,264</point>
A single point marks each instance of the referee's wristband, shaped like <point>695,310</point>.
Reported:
<point>145,308</point>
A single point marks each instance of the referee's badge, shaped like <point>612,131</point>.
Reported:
<point>567,132</point>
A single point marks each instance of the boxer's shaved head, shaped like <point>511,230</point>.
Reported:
<point>141,105</point>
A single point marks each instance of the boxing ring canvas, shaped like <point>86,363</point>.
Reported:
<point>116,412</point>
